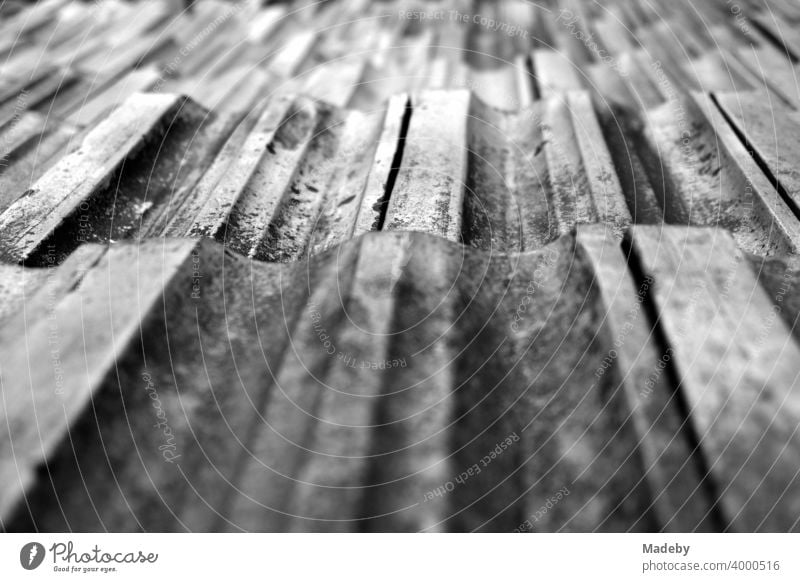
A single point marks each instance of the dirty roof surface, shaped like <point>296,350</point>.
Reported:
<point>391,266</point>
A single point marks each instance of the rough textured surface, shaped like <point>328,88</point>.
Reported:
<point>60,192</point>
<point>536,146</point>
<point>351,266</point>
<point>344,419</point>
<point>295,176</point>
<point>737,364</point>
<point>429,193</point>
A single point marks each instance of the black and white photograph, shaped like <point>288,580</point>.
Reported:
<point>279,268</point>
